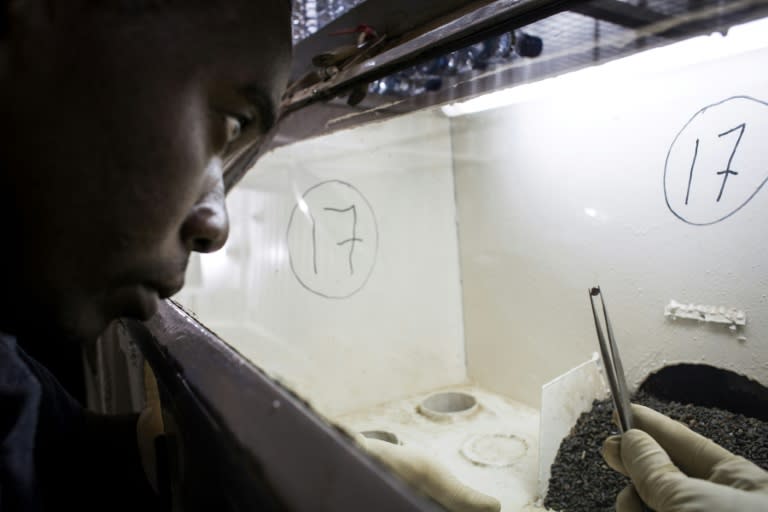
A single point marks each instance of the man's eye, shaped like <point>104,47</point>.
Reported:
<point>234,127</point>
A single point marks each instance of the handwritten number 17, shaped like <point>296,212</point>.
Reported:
<point>724,173</point>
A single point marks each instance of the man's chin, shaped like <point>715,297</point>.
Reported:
<point>134,301</point>
<point>88,322</point>
<point>86,328</point>
<point>82,319</point>
<point>60,329</point>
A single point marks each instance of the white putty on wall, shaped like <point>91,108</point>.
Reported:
<point>715,314</point>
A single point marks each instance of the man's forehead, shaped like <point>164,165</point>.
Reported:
<point>259,33</point>
<point>136,6</point>
<point>237,17</point>
<point>244,44</point>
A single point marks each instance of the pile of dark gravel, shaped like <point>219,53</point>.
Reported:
<point>581,481</point>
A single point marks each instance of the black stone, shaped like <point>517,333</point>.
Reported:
<point>581,481</point>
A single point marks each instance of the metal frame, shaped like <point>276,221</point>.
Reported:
<point>488,19</point>
<point>485,21</point>
<point>398,19</point>
<point>241,441</point>
<point>439,27</point>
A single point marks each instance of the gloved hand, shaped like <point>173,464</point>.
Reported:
<point>673,469</point>
<point>429,477</point>
<point>150,426</point>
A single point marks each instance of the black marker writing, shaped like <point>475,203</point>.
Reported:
<point>334,221</point>
<point>697,172</point>
<point>314,241</point>
<point>728,171</point>
<point>353,239</point>
<point>690,174</point>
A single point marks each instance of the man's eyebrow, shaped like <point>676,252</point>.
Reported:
<point>258,97</point>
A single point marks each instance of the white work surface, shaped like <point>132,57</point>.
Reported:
<point>515,486</point>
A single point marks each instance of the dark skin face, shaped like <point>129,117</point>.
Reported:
<point>113,128</point>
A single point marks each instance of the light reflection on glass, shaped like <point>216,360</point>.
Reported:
<point>309,16</point>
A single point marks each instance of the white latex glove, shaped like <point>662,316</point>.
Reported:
<point>429,477</point>
<point>150,426</point>
<point>674,469</point>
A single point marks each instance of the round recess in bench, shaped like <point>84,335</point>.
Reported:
<point>381,435</point>
<point>448,405</point>
<point>494,450</point>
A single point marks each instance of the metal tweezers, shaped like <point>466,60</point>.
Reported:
<point>613,367</point>
<point>612,363</point>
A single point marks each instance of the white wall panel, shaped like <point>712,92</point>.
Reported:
<point>567,190</point>
<point>397,328</point>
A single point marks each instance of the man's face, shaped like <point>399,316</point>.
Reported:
<point>112,128</point>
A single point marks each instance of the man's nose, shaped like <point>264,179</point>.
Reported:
<point>207,225</point>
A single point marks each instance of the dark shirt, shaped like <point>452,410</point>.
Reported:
<point>55,455</point>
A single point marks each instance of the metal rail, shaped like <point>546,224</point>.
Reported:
<point>487,20</point>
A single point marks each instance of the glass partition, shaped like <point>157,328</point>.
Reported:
<point>423,280</point>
